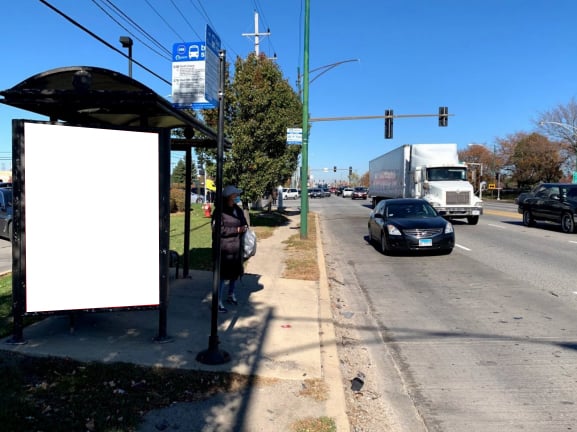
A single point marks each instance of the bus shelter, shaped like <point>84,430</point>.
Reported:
<point>109,138</point>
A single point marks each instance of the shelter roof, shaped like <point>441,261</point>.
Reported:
<point>98,97</point>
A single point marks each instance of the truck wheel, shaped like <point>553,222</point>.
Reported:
<point>567,223</point>
<point>528,218</point>
<point>473,220</point>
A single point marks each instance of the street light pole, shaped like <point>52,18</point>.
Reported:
<point>305,133</point>
<point>323,70</point>
<point>127,43</point>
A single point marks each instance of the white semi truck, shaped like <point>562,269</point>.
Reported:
<point>429,171</point>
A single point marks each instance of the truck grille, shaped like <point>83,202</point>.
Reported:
<point>457,198</point>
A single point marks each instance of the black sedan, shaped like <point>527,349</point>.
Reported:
<point>408,224</point>
<point>551,202</point>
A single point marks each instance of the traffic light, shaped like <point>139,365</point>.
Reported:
<point>350,171</point>
<point>388,124</point>
<point>335,168</point>
<point>443,116</point>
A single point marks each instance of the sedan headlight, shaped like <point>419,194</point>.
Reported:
<point>449,228</point>
<point>393,230</point>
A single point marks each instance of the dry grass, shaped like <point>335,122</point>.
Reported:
<point>301,260</point>
<point>315,388</point>
<point>310,424</point>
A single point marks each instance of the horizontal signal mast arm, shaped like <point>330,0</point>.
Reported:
<point>319,119</point>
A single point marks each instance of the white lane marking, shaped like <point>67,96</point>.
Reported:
<point>462,247</point>
<point>573,241</point>
<point>496,226</point>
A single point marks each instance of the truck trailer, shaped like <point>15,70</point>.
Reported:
<point>429,171</point>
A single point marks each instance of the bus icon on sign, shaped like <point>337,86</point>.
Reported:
<point>193,52</point>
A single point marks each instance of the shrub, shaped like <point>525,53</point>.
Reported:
<point>176,200</point>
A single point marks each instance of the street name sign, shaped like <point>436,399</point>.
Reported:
<point>294,136</point>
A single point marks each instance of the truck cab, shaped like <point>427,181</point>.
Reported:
<point>449,192</point>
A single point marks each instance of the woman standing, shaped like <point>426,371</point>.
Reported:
<point>233,226</point>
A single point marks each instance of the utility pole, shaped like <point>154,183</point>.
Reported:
<point>256,34</point>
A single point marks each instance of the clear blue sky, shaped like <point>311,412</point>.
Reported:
<point>496,64</point>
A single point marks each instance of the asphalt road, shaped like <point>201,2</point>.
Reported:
<point>484,339</point>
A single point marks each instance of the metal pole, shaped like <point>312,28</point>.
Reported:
<point>305,144</point>
<point>187,202</point>
<point>213,355</point>
<point>130,61</point>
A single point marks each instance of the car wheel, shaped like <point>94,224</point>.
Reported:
<point>528,218</point>
<point>10,232</point>
<point>370,237</point>
<point>567,223</point>
<point>384,247</point>
<point>473,220</point>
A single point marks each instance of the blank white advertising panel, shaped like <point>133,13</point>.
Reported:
<point>91,218</point>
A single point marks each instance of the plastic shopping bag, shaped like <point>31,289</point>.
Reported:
<point>249,244</point>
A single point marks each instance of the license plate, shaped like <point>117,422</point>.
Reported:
<point>425,242</point>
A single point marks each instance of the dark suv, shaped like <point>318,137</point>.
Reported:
<point>6,213</point>
<point>552,202</point>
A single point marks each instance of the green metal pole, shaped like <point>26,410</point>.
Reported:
<point>305,143</point>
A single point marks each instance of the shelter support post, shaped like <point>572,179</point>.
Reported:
<point>164,230</point>
<point>187,186</point>
<point>18,265</point>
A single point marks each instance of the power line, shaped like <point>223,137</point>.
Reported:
<point>98,38</point>
<point>166,55</point>
<point>138,27</point>
<point>164,21</point>
<point>204,13</point>
<point>185,20</point>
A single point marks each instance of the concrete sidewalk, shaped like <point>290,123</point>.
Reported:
<point>281,331</point>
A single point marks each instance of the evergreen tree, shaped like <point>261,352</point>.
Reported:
<point>259,107</point>
<point>179,172</point>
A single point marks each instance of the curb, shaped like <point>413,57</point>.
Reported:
<point>336,405</point>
